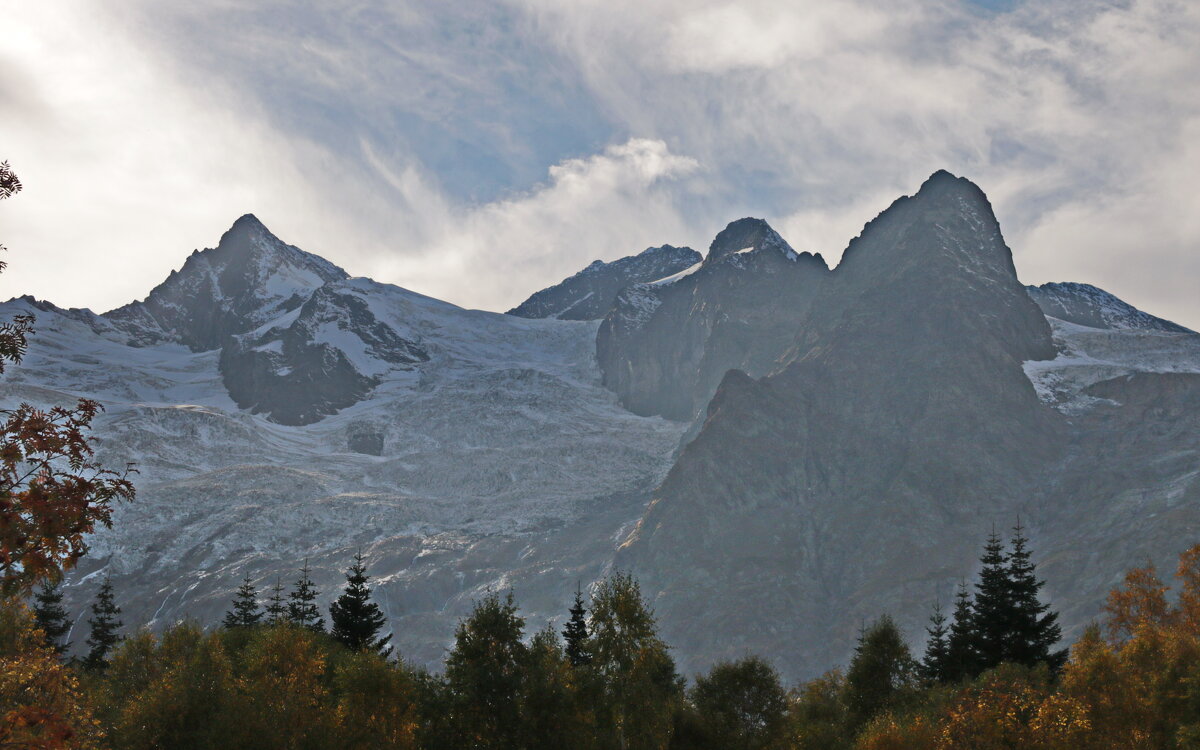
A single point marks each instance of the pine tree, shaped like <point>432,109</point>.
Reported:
<point>104,626</point>
<point>302,607</point>
<point>51,617</point>
<point>245,612</point>
<point>575,634</point>
<point>992,616</point>
<point>1034,629</point>
<point>961,661</point>
<point>276,610</point>
<point>935,665</point>
<point>355,620</point>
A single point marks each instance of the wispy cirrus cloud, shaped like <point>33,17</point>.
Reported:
<point>480,151</point>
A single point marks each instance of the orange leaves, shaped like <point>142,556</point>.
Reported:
<point>1140,602</point>
<point>41,705</point>
<point>1137,690</point>
<point>52,492</point>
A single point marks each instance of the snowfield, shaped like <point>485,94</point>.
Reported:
<point>505,433</point>
<point>1091,355</point>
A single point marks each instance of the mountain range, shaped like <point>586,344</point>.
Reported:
<point>779,450</point>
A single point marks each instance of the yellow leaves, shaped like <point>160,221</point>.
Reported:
<point>1140,602</point>
<point>41,705</point>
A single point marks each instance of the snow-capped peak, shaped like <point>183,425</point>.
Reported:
<point>250,277</point>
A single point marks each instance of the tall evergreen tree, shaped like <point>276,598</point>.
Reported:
<point>302,603</point>
<point>276,610</point>
<point>961,661</point>
<point>575,633</point>
<point>1033,627</point>
<point>245,612</point>
<point>354,619</point>
<point>51,617</point>
<point>935,666</point>
<point>992,611</point>
<point>104,628</point>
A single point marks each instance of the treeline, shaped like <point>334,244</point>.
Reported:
<point>274,677</point>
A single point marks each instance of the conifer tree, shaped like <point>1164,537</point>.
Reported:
<point>935,665</point>
<point>104,626</point>
<point>575,633</point>
<point>961,660</point>
<point>245,612</point>
<point>302,604</point>
<point>276,610</point>
<point>354,619</point>
<point>1034,629</point>
<point>991,618</point>
<point>51,617</point>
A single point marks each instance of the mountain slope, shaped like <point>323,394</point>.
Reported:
<point>664,346</point>
<point>249,278</point>
<point>1086,305</point>
<point>483,453</point>
<point>589,294</point>
<point>861,476</point>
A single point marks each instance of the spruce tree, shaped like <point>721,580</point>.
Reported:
<point>245,612</point>
<point>355,620</point>
<point>104,626</point>
<point>51,617</point>
<point>961,661</point>
<point>935,666</point>
<point>575,633</point>
<point>276,610</point>
<point>1033,628</point>
<point>302,604</point>
<point>992,611</point>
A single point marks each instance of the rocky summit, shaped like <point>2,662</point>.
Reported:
<point>778,450</point>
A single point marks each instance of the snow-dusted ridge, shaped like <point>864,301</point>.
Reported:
<point>1092,355</point>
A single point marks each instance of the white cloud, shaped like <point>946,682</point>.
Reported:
<point>604,206</point>
<point>143,134</point>
<point>728,36</point>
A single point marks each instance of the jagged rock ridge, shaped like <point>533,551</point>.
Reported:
<point>665,345</point>
<point>589,294</point>
<point>1086,305</point>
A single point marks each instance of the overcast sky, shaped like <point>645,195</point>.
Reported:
<point>480,150</point>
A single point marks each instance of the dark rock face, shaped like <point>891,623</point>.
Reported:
<point>589,294</point>
<point>664,347</point>
<point>1089,306</point>
<point>303,371</point>
<point>860,475</point>
<point>295,343</point>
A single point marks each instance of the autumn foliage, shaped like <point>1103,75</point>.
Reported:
<point>1135,685</point>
